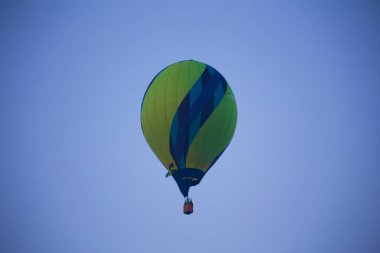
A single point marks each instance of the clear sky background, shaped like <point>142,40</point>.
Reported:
<point>302,173</point>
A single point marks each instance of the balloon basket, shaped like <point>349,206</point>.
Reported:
<point>188,208</point>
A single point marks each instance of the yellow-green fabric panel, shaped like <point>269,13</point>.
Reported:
<point>148,114</point>
<point>161,102</point>
<point>215,135</point>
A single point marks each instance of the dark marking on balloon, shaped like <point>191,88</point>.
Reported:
<point>193,112</point>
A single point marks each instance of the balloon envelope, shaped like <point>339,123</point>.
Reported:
<point>188,117</point>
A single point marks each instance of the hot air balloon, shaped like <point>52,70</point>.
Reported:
<point>188,118</point>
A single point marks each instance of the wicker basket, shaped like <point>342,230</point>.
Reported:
<point>187,208</point>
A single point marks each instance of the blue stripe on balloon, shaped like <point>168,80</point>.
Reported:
<point>182,161</point>
<point>210,70</point>
<point>193,112</point>
<point>195,126</point>
<point>218,95</point>
<point>174,130</point>
<point>195,91</point>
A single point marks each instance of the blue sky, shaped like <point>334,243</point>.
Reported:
<point>301,174</point>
